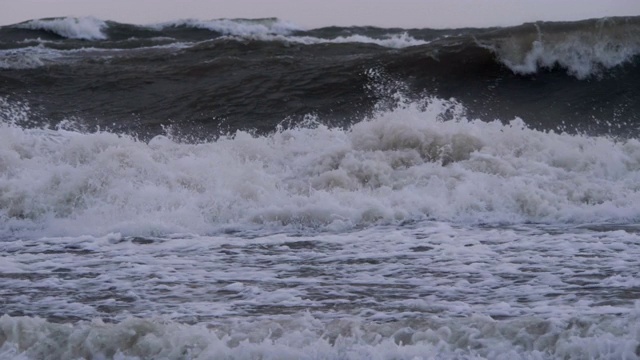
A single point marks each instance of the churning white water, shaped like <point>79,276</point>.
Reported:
<point>405,236</point>
<point>401,165</point>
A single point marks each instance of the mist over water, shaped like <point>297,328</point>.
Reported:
<point>249,189</point>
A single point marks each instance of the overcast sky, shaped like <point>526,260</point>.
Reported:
<point>315,13</point>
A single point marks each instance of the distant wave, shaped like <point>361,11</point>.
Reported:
<point>26,58</point>
<point>584,48</point>
<point>238,27</point>
<point>84,28</point>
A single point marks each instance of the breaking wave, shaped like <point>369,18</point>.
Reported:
<point>84,28</point>
<point>403,164</point>
<point>477,337</point>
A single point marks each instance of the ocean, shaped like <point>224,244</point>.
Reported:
<point>248,189</point>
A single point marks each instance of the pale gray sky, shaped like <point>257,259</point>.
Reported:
<point>315,13</point>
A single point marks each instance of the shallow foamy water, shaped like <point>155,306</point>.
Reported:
<point>425,289</point>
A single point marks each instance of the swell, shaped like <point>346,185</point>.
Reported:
<point>208,77</point>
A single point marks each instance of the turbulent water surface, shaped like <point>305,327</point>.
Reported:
<point>247,189</point>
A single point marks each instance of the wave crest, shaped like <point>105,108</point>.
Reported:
<point>83,28</point>
<point>238,27</point>
<point>583,48</point>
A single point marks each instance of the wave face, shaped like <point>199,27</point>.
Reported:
<point>248,189</point>
<point>71,28</point>
<point>251,74</point>
<point>584,49</point>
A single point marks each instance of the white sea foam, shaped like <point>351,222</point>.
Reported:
<point>85,28</point>
<point>400,165</point>
<point>396,41</point>
<point>27,58</point>
<point>304,337</point>
<point>39,56</point>
<point>424,289</point>
<point>417,290</point>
